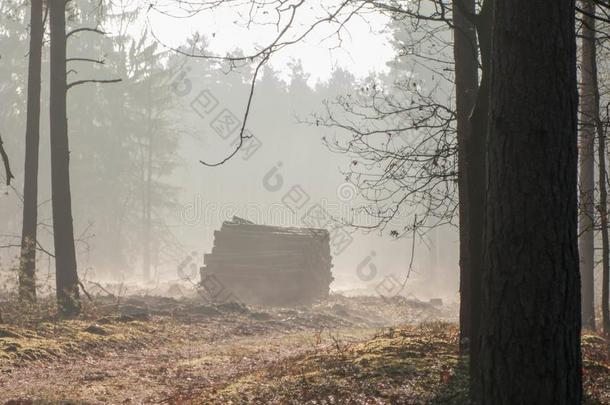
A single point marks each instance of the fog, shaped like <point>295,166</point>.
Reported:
<point>166,115</point>
<point>304,202</point>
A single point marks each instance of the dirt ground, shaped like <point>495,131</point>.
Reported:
<point>163,350</point>
<point>145,349</point>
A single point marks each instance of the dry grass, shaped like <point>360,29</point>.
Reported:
<point>189,352</point>
<point>409,365</point>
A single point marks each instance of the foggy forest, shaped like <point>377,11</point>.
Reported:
<point>304,202</point>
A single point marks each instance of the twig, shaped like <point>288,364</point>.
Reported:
<point>7,166</point>
<point>82,286</point>
<point>98,285</point>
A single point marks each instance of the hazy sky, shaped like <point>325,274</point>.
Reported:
<point>364,41</point>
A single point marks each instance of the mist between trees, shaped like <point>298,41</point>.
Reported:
<point>115,201</point>
<point>464,166</point>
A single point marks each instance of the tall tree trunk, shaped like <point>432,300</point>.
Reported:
<point>63,232</point>
<point>148,189</point>
<point>587,166</point>
<point>603,198</point>
<point>531,314</point>
<point>476,184</point>
<point>148,210</point>
<point>603,206</point>
<point>27,268</point>
<point>465,52</point>
<point>605,239</point>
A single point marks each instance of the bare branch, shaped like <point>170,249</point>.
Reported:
<point>77,30</point>
<point>97,61</point>
<point>245,120</point>
<point>79,82</point>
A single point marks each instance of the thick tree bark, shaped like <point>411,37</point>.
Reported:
<point>465,50</point>
<point>476,185</point>
<point>27,268</point>
<point>531,319</point>
<point>63,232</point>
<point>587,166</point>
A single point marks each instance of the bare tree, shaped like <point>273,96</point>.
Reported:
<point>588,122</point>
<point>401,143</point>
<point>27,268</point>
<point>466,87</point>
<point>595,20</point>
<point>602,133</point>
<point>476,184</point>
<point>63,229</point>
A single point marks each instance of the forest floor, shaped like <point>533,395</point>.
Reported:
<point>361,350</point>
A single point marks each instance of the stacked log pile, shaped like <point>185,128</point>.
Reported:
<point>268,265</point>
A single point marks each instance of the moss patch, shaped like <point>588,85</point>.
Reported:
<point>54,340</point>
<point>408,365</point>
